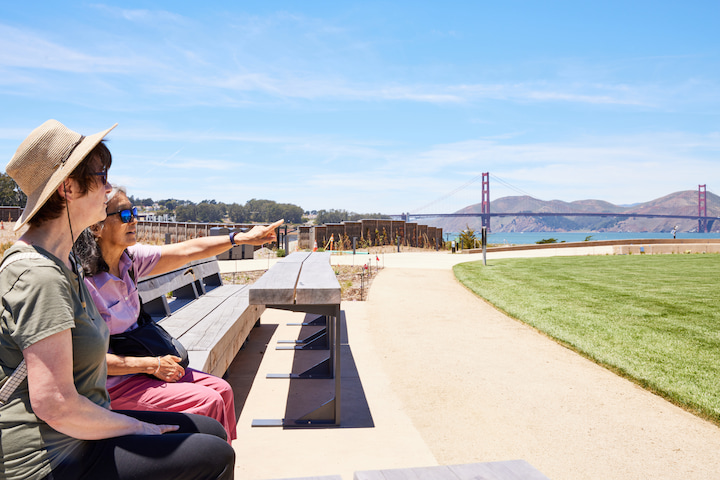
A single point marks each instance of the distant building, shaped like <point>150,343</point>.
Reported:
<point>166,217</point>
<point>10,214</point>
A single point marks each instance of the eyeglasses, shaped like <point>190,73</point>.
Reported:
<point>103,176</point>
<point>126,216</point>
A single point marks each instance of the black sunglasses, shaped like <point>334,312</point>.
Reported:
<point>126,215</point>
<point>103,176</point>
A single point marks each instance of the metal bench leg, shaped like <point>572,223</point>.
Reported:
<point>327,414</point>
<point>316,341</point>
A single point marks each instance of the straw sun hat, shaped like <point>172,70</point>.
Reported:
<point>44,159</point>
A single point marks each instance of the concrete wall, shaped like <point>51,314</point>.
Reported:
<point>650,249</point>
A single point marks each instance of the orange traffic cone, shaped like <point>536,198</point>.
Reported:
<point>315,247</point>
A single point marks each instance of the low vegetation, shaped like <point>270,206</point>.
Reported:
<point>354,280</point>
<point>653,319</point>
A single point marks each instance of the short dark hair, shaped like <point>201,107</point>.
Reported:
<point>84,175</point>
<point>89,255</point>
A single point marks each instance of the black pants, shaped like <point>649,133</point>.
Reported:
<point>198,450</point>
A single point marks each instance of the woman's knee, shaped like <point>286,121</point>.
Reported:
<point>208,425</point>
<point>213,456</point>
<point>213,403</point>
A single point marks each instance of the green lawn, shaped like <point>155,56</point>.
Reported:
<point>652,318</point>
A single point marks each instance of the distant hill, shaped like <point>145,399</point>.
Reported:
<point>679,203</point>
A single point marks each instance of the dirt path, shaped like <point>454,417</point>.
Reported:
<point>482,387</point>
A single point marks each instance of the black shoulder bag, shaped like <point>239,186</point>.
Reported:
<point>149,339</point>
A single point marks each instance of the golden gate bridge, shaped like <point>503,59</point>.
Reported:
<point>704,222</point>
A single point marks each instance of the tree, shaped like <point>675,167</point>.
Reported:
<point>467,238</point>
<point>209,212</point>
<point>238,213</point>
<point>291,213</point>
<point>331,216</point>
<point>186,213</point>
<point>338,216</point>
<point>170,204</point>
<point>10,193</point>
<point>145,202</point>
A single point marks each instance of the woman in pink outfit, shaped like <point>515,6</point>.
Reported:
<point>113,261</point>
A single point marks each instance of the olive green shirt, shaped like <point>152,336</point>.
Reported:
<point>39,299</point>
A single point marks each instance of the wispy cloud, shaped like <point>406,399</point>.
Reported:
<point>619,169</point>
<point>30,55</point>
<point>142,15</point>
<point>185,73</point>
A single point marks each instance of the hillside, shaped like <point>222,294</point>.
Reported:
<point>679,203</point>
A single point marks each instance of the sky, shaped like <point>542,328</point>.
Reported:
<point>375,107</point>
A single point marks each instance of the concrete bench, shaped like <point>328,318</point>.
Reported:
<point>210,319</point>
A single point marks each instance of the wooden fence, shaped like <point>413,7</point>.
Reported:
<point>366,232</point>
<point>159,233</point>
<point>370,233</point>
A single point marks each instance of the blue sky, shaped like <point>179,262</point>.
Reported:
<point>376,106</point>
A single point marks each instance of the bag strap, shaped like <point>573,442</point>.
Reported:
<point>143,317</point>
<point>131,272</point>
<point>21,371</point>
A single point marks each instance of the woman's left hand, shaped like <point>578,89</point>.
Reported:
<point>168,369</point>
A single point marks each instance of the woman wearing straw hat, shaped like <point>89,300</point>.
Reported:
<point>55,420</point>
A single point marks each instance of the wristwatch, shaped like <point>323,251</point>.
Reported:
<point>232,239</point>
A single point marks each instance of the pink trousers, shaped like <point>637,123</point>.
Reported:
<point>196,392</point>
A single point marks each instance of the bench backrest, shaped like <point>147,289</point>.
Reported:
<point>185,284</point>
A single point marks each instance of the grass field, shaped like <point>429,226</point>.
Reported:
<point>653,319</point>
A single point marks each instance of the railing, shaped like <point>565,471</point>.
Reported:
<point>157,232</point>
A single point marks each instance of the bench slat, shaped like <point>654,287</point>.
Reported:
<point>213,349</point>
<point>505,470</point>
<point>183,320</point>
<point>317,257</point>
<point>225,290</point>
<point>317,284</point>
<point>296,257</point>
<point>277,285</point>
<point>157,286</point>
<point>214,325</point>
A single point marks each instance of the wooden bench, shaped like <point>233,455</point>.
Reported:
<point>505,470</point>
<point>210,319</point>
<point>305,282</point>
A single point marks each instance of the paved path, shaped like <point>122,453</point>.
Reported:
<point>437,376</point>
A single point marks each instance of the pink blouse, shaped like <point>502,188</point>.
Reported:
<point>116,298</point>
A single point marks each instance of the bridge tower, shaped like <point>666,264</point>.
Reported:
<point>702,209</point>
<point>485,205</point>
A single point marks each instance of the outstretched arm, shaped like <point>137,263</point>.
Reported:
<point>176,255</point>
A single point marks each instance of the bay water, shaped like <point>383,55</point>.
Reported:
<point>525,238</point>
